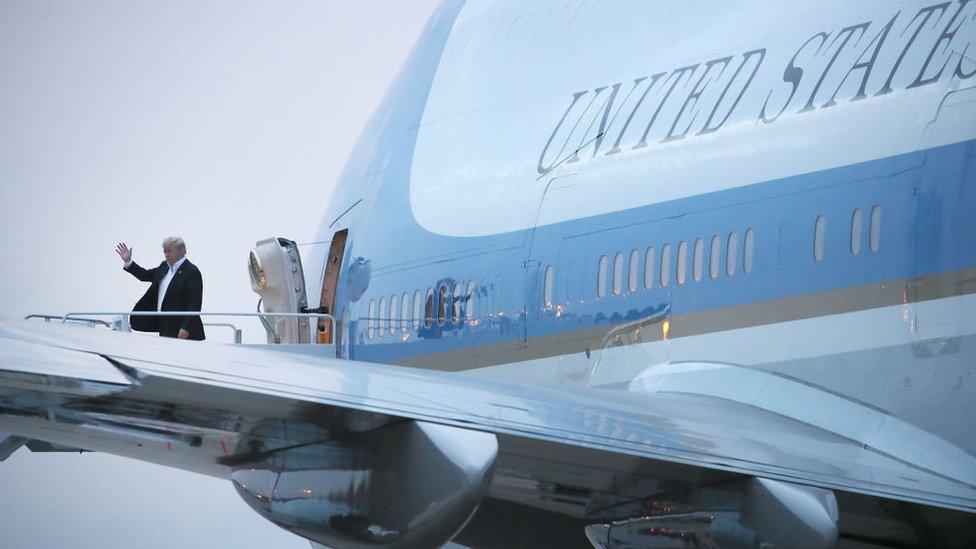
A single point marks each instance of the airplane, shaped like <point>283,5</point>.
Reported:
<point>599,274</point>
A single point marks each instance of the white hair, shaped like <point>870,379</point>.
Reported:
<point>175,241</point>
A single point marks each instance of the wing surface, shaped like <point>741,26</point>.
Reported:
<point>209,408</point>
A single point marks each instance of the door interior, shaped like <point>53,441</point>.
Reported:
<point>330,281</point>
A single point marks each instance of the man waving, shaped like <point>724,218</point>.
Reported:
<point>176,286</point>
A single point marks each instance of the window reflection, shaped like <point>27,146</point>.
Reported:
<point>393,314</point>
<point>748,250</point>
<point>381,318</point>
<point>730,253</point>
<point>875,231</point>
<point>649,268</point>
<point>429,309</point>
<point>469,300</point>
<point>819,228</point>
<point>417,310</point>
<point>442,305</point>
<point>665,265</point>
<point>699,259</point>
<point>404,312</point>
<point>632,272</point>
<point>601,278</point>
<point>716,253</point>
<point>456,304</point>
<point>618,273</point>
<point>682,260</point>
<point>856,222</point>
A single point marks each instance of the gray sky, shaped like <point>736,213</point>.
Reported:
<point>222,122</point>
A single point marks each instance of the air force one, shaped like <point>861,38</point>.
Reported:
<point>601,274</point>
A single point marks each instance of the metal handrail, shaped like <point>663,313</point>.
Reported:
<point>49,318</point>
<point>127,314</point>
<point>237,336</point>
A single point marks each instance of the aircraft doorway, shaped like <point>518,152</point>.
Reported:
<point>330,281</point>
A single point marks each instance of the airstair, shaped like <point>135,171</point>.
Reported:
<point>276,273</point>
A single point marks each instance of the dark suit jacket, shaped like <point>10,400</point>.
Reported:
<point>184,293</point>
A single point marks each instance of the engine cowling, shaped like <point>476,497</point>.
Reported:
<point>409,484</point>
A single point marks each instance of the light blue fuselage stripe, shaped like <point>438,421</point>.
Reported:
<point>926,199</point>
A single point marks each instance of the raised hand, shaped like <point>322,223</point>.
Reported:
<point>124,252</point>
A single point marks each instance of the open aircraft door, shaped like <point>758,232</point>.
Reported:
<point>330,283</point>
<point>276,273</point>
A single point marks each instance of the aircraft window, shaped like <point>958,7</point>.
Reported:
<point>716,253</point>
<point>601,278</point>
<point>730,253</point>
<point>404,312</point>
<point>856,222</point>
<point>618,273</point>
<point>417,310</point>
<point>381,318</point>
<point>371,319</point>
<point>429,309</point>
<point>469,301</point>
<point>749,249</point>
<point>393,314</point>
<point>665,265</point>
<point>547,292</point>
<point>699,258</point>
<point>818,238</point>
<point>649,268</point>
<point>442,305</point>
<point>632,275</point>
<point>456,304</point>
<point>875,232</point>
<point>682,260</point>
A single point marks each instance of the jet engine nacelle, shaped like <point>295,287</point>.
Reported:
<point>408,484</point>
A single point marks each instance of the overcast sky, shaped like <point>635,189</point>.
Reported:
<point>222,122</point>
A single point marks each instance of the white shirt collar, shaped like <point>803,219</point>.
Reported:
<point>176,266</point>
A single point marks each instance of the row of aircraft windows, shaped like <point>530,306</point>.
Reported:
<point>403,313</point>
<point>857,229</point>
<point>729,242</point>
<point>698,257</point>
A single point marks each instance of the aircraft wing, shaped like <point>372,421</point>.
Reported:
<point>235,412</point>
